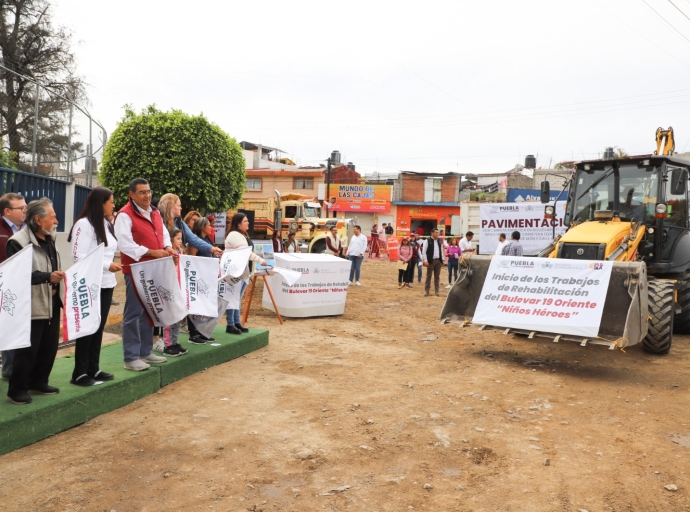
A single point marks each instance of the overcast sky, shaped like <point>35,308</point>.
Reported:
<point>469,86</point>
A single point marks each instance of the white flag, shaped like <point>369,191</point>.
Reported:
<point>206,324</point>
<point>158,288</point>
<point>81,312</point>
<point>290,276</point>
<point>199,282</point>
<point>15,300</point>
<point>233,263</point>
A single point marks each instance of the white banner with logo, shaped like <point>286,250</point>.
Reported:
<point>206,324</point>
<point>536,232</point>
<point>158,288</point>
<point>15,300</point>
<point>234,263</point>
<point>199,282</point>
<point>321,289</point>
<point>219,227</point>
<point>544,294</point>
<point>81,312</point>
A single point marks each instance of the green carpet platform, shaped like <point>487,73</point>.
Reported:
<point>21,425</point>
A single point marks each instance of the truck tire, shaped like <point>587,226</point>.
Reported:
<point>661,313</point>
<point>319,246</point>
<point>682,321</point>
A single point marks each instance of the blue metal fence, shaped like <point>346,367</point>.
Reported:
<point>80,194</point>
<point>34,186</point>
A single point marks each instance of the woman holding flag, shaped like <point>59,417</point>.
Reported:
<point>236,239</point>
<point>91,229</point>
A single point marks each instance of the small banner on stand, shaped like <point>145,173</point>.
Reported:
<point>81,312</point>
<point>157,285</point>
<point>199,282</point>
<point>15,300</point>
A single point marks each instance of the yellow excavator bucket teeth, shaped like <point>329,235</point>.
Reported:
<point>623,322</point>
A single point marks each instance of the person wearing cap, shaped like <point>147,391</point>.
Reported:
<point>405,255</point>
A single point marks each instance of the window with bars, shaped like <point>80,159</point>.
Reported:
<point>252,184</point>
<point>303,183</point>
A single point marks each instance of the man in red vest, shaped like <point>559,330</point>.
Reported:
<point>141,236</point>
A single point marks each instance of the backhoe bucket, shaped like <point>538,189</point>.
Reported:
<point>623,322</point>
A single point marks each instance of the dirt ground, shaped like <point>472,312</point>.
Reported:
<point>382,409</point>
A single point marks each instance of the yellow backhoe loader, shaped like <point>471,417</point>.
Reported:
<point>633,212</point>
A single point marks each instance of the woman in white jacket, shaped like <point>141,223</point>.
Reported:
<point>91,229</point>
<point>236,239</point>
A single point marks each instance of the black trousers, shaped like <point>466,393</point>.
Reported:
<point>408,277</point>
<point>32,365</point>
<point>87,353</point>
<point>192,328</point>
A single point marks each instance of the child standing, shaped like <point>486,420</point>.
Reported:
<point>168,344</point>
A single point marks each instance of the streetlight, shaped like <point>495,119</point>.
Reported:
<point>333,159</point>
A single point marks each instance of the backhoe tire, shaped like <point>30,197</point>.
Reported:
<point>661,315</point>
<point>682,321</point>
<point>319,246</point>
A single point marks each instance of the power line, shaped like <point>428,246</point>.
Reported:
<point>665,21</point>
<point>674,5</point>
<point>641,35</point>
<point>330,22</point>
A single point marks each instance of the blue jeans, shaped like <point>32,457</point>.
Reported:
<point>137,333</point>
<point>452,268</point>
<point>355,268</point>
<point>420,270</point>
<point>7,358</point>
<point>232,316</point>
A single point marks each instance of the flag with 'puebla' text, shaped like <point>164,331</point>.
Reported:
<point>157,285</point>
<point>206,324</point>
<point>81,312</point>
<point>200,282</point>
<point>15,300</point>
<point>234,264</point>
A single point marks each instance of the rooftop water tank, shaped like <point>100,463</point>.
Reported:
<point>530,162</point>
<point>335,157</point>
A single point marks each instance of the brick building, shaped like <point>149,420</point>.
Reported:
<point>424,201</point>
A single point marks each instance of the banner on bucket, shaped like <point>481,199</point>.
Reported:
<point>81,312</point>
<point>157,285</point>
<point>540,294</point>
<point>15,300</point>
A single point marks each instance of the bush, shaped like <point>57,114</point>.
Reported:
<point>177,153</point>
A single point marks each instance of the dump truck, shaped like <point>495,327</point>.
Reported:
<point>633,212</point>
<point>293,213</point>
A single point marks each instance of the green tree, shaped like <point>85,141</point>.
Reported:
<point>177,153</point>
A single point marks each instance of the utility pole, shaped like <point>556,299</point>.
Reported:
<point>33,151</point>
<point>69,145</point>
<point>328,186</point>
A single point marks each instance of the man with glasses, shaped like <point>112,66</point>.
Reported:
<point>141,236</point>
<point>13,210</point>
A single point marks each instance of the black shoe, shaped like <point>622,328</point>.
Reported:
<point>231,329</point>
<point>196,340</point>
<point>205,338</point>
<point>181,349</point>
<point>242,328</point>
<point>44,390</point>
<point>171,351</point>
<point>83,380</point>
<point>22,398</point>
<point>103,376</point>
